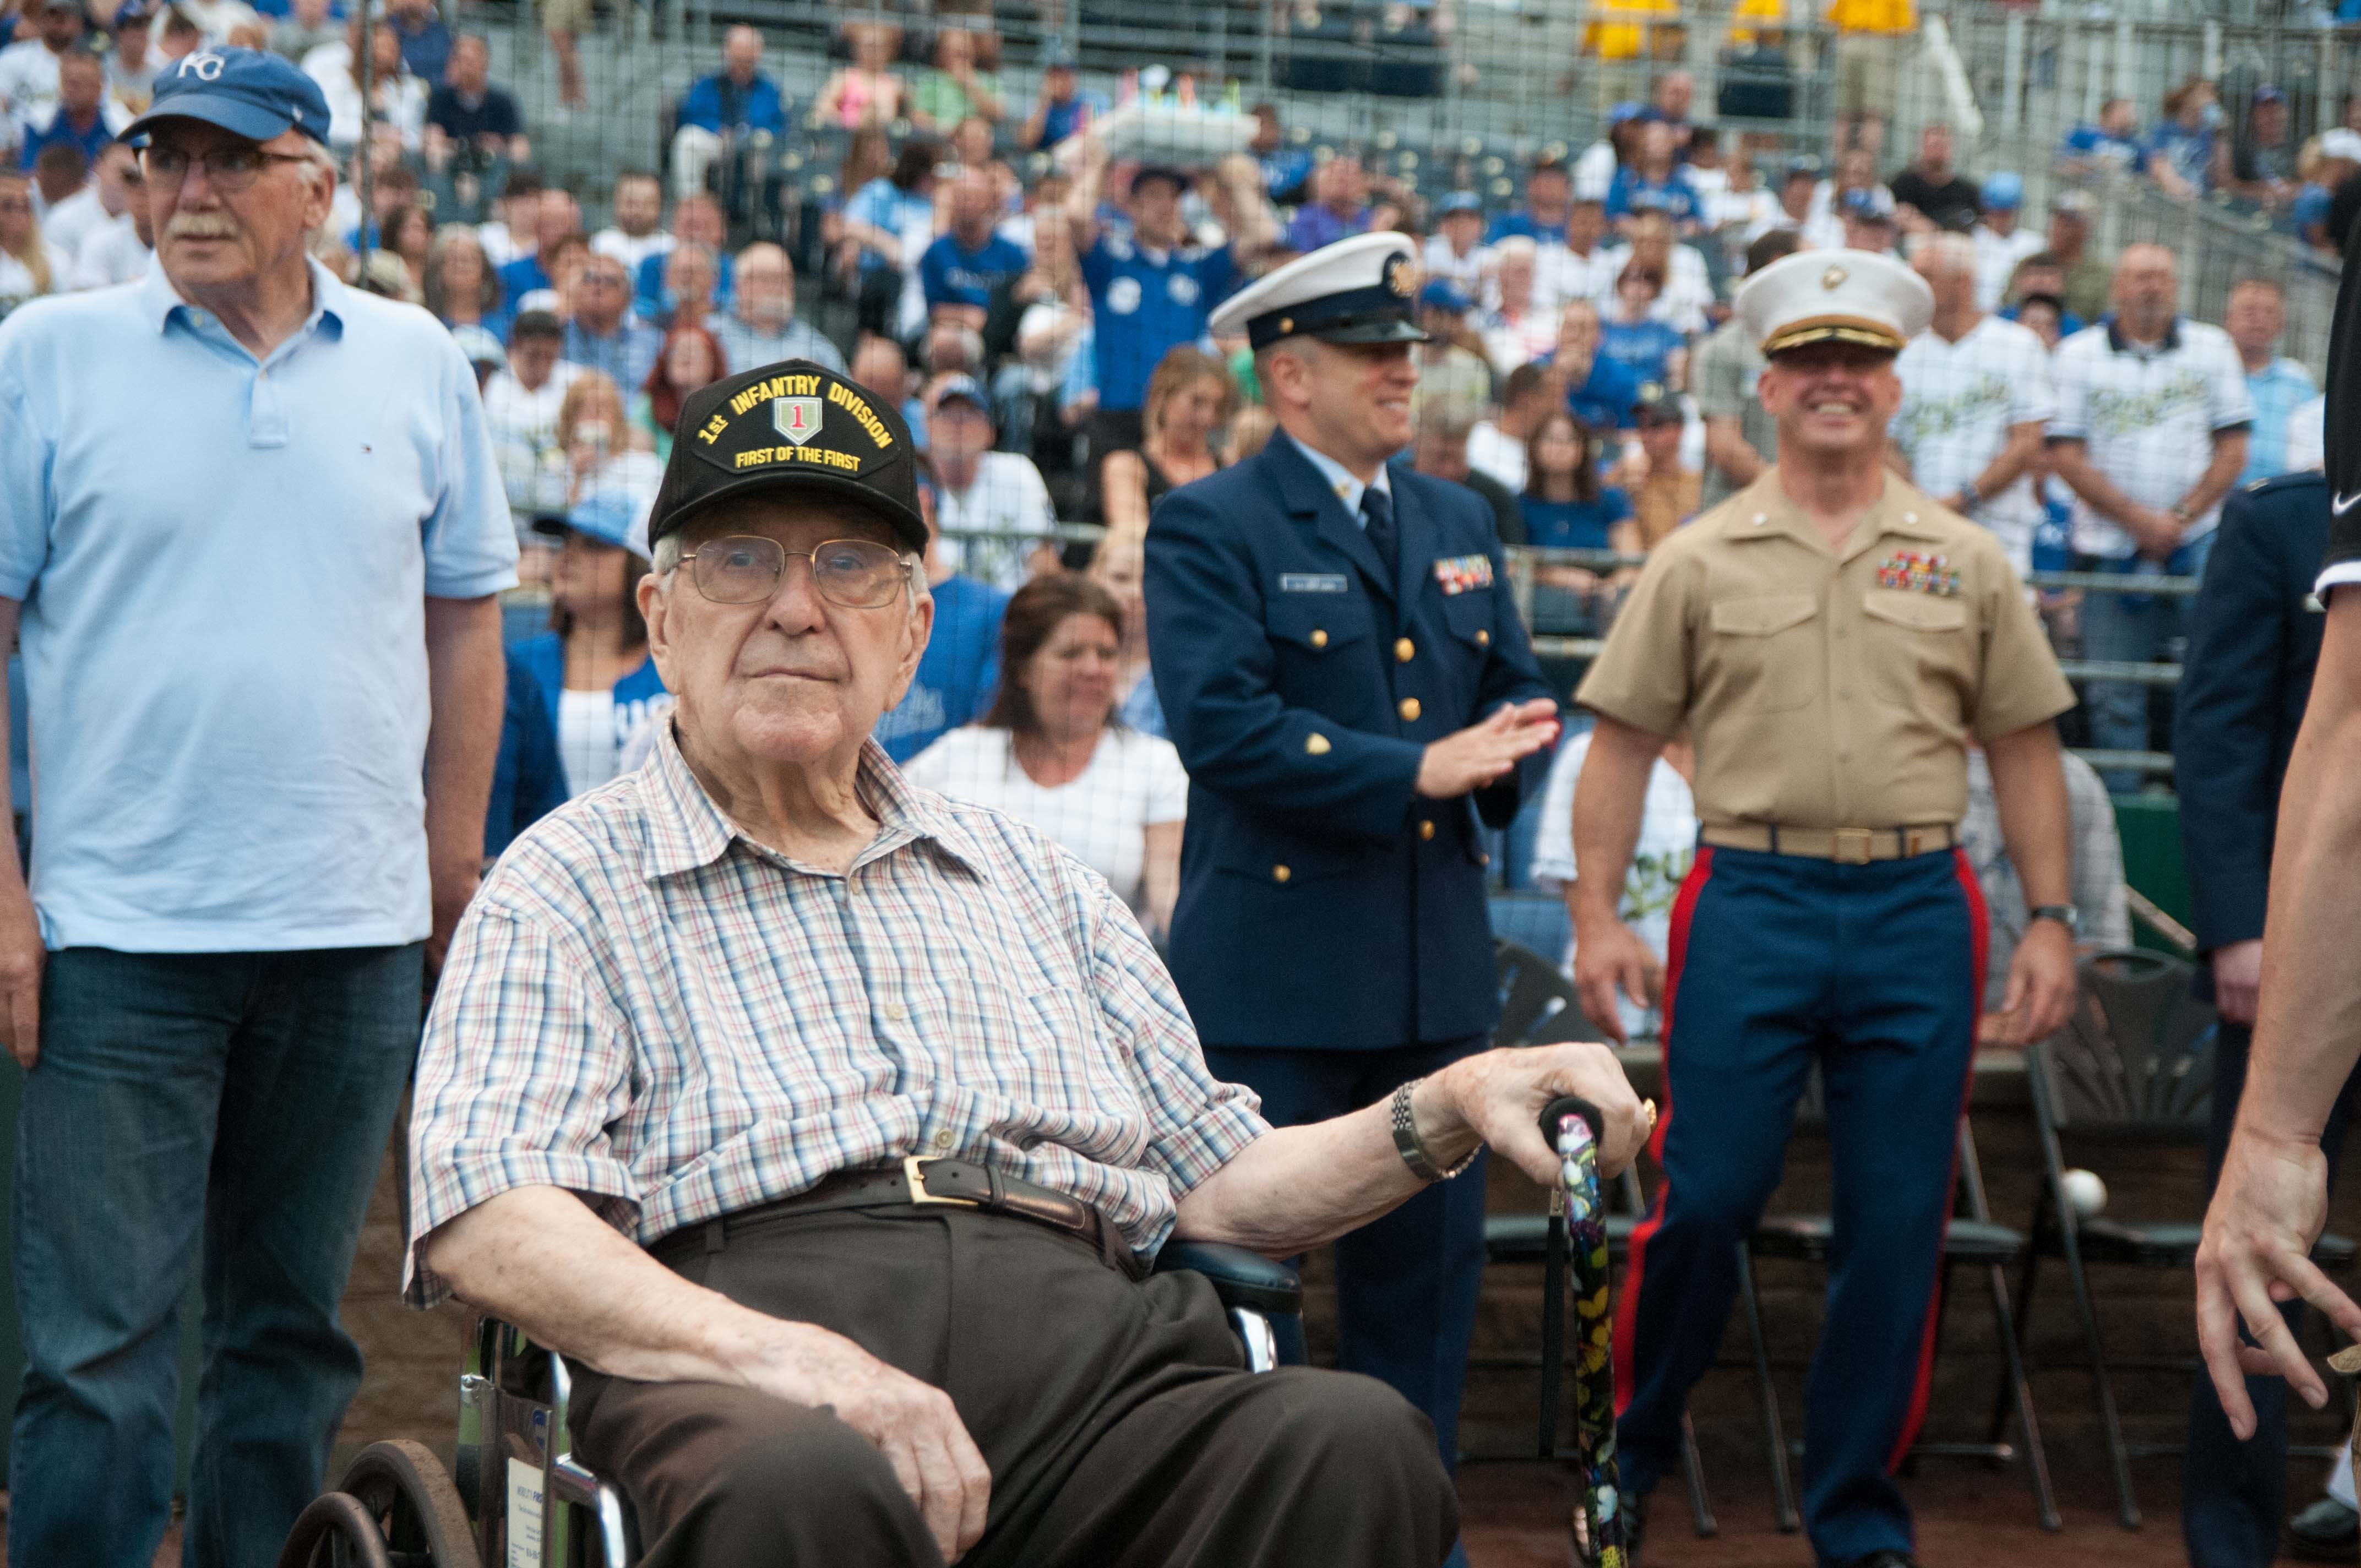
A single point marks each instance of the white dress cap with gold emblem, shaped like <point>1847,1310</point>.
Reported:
<point>1361,290</point>
<point>1843,296</point>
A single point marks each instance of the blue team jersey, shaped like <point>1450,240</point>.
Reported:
<point>956,675</point>
<point>1523,224</point>
<point>1573,525</point>
<point>953,276</point>
<point>1643,349</point>
<point>1675,196</point>
<point>1144,303</point>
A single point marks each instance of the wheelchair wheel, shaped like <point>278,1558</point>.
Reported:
<point>394,1508</point>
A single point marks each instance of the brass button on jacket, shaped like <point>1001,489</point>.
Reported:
<point>1426,829</point>
<point>1405,651</point>
<point>1319,638</point>
<point>1409,709</point>
<point>1279,873</point>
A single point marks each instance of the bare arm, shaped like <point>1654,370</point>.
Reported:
<point>2229,462</point>
<point>467,689</point>
<point>1608,800</point>
<point>22,956</point>
<point>2272,1198</point>
<point>2153,530</point>
<point>2013,459</point>
<point>1082,196</point>
<point>1161,876</point>
<point>1729,451</point>
<point>537,1257</point>
<point>1123,479</point>
<point>1299,1186</point>
<point>2029,787</point>
<point>1253,221</point>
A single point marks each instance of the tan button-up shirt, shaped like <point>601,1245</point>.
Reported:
<point>1829,689</point>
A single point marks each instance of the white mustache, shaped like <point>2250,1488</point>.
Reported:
<point>199,226</point>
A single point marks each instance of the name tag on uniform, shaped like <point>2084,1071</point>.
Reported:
<point>1457,574</point>
<point>1914,572</point>
<point>1313,583</point>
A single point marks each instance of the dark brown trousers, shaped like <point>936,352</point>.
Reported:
<point>1119,1425</point>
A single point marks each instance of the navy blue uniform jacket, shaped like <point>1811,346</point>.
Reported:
<point>2253,642</point>
<point>1317,910</point>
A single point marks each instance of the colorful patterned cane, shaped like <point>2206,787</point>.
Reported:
<point>1577,1245</point>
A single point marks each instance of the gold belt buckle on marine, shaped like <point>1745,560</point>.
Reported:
<point>1853,845</point>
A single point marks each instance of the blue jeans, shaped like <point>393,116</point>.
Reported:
<point>236,1101</point>
<point>2135,627</point>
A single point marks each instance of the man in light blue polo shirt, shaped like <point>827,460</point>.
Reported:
<point>253,525</point>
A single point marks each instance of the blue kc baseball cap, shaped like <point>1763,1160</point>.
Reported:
<point>2003,192</point>
<point>244,92</point>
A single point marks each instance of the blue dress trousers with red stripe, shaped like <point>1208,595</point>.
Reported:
<point>1873,972</point>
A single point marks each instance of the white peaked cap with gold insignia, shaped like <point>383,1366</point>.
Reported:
<point>1361,290</point>
<point>1843,296</point>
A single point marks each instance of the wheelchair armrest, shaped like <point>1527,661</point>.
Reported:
<point>1241,1279</point>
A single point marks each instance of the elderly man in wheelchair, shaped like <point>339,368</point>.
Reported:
<point>827,1130</point>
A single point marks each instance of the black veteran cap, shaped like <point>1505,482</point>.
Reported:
<point>793,426</point>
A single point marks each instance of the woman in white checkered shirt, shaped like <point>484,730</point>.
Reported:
<point>1049,753</point>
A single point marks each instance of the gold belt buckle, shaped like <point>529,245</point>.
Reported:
<point>1852,846</point>
<point>914,1176</point>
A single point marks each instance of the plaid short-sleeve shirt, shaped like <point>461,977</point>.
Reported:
<point>647,1008</point>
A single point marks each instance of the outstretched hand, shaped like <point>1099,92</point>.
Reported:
<point>2267,1212</point>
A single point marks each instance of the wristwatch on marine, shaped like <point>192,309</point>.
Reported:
<point>2066,915</point>
<point>2181,512</point>
<point>1414,1153</point>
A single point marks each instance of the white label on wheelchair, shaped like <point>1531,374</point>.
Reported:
<point>524,1515</point>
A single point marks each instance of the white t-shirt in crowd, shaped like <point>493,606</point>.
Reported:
<point>113,255</point>
<point>586,743</point>
<point>523,422</point>
<point>28,85</point>
<point>69,224</point>
<point>18,283</point>
<point>500,247</point>
<point>1561,275</point>
<point>1101,818</point>
<point>1007,497</point>
<point>2148,416</point>
<point>631,252</point>
<point>1594,171</point>
<point>1467,270</point>
<point>1996,258</point>
<point>1959,401</point>
<point>1666,847</point>
<point>1689,288</point>
<point>1501,456</point>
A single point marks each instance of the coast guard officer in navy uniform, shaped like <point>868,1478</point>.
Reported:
<point>1343,671</point>
<point>1831,638</point>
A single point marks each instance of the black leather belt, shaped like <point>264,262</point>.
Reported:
<point>924,1183</point>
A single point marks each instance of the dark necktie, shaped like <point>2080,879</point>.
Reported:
<point>1378,513</point>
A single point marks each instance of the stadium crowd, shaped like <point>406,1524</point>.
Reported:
<point>1042,326</point>
<point>1045,336</point>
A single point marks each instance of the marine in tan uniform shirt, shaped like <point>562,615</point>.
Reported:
<point>1832,639</point>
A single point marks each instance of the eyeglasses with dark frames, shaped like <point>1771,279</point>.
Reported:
<point>231,169</point>
<point>853,573</point>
